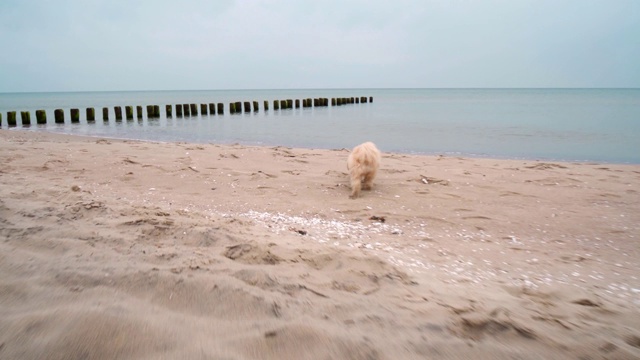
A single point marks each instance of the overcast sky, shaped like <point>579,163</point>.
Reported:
<point>87,45</point>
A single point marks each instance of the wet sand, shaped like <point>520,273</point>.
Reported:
<point>115,249</point>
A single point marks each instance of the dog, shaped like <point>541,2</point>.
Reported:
<point>363,163</point>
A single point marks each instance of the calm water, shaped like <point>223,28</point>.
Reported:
<point>554,124</point>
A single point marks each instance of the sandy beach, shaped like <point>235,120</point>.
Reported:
<point>116,249</point>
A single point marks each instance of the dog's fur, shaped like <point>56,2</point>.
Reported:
<point>363,164</point>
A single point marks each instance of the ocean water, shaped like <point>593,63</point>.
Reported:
<point>601,125</point>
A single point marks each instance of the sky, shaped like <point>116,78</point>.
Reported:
<point>114,45</point>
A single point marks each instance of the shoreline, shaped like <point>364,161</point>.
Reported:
<point>165,250</point>
<point>249,144</point>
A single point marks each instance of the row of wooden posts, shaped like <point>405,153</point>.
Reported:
<point>153,111</point>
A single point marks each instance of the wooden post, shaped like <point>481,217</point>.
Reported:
<point>58,114</point>
<point>118,111</point>
<point>276,105</point>
<point>333,101</point>
<point>255,106</point>
<point>156,111</point>
<point>75,115</point>
<point>149,111</point>
<point>105,114</point>
<point>185,108</point>
<point>220,108</point>
<point>11,118</point>
<point>203,109</point>
<point>212,109</point>
<point>41,117</point>
<point>179,110</point>
<point>91,114</point>
<point>194,109</point>
<point>266,105</point>
<point>129,112</point>
<point>297,103</point>
<point>25,116</point>
<point>357,100</point>
<point>247,106</point>
<point>370,99</point>
<point>169,110</point>
<point>238,106</point>
<point>283,104</point>
<point>232,108</point>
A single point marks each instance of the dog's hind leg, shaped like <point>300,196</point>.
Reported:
<point>355,186</point>
<point>368,181</point>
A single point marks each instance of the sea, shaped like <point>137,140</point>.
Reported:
<point>581,125</point>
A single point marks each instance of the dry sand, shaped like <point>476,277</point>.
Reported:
<point>114,249</point>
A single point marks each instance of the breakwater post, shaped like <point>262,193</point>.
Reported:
<point>118,111</point>
<point>91,114</point>
<point>41,117</point>
<point>139,113</point>
<point>247,106</point>
<point>75,115</point>
<point>276,105</point>
<point>11,118</point>
<point>220,108</point>
<point>203,109</point>
<point>153,111</point>
<point>169,110</point>
<point>194,110</point>
<point>129,112</point>
<point>212,108</point>
<point>255,106</point>
<point>105,114</point>
<point>25,116</point>
<point>179,110</point>
<point>266,105</point>
<point>185,108</point>
<point>58,115</point>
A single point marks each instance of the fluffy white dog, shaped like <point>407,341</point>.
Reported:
<point>363,164</point>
